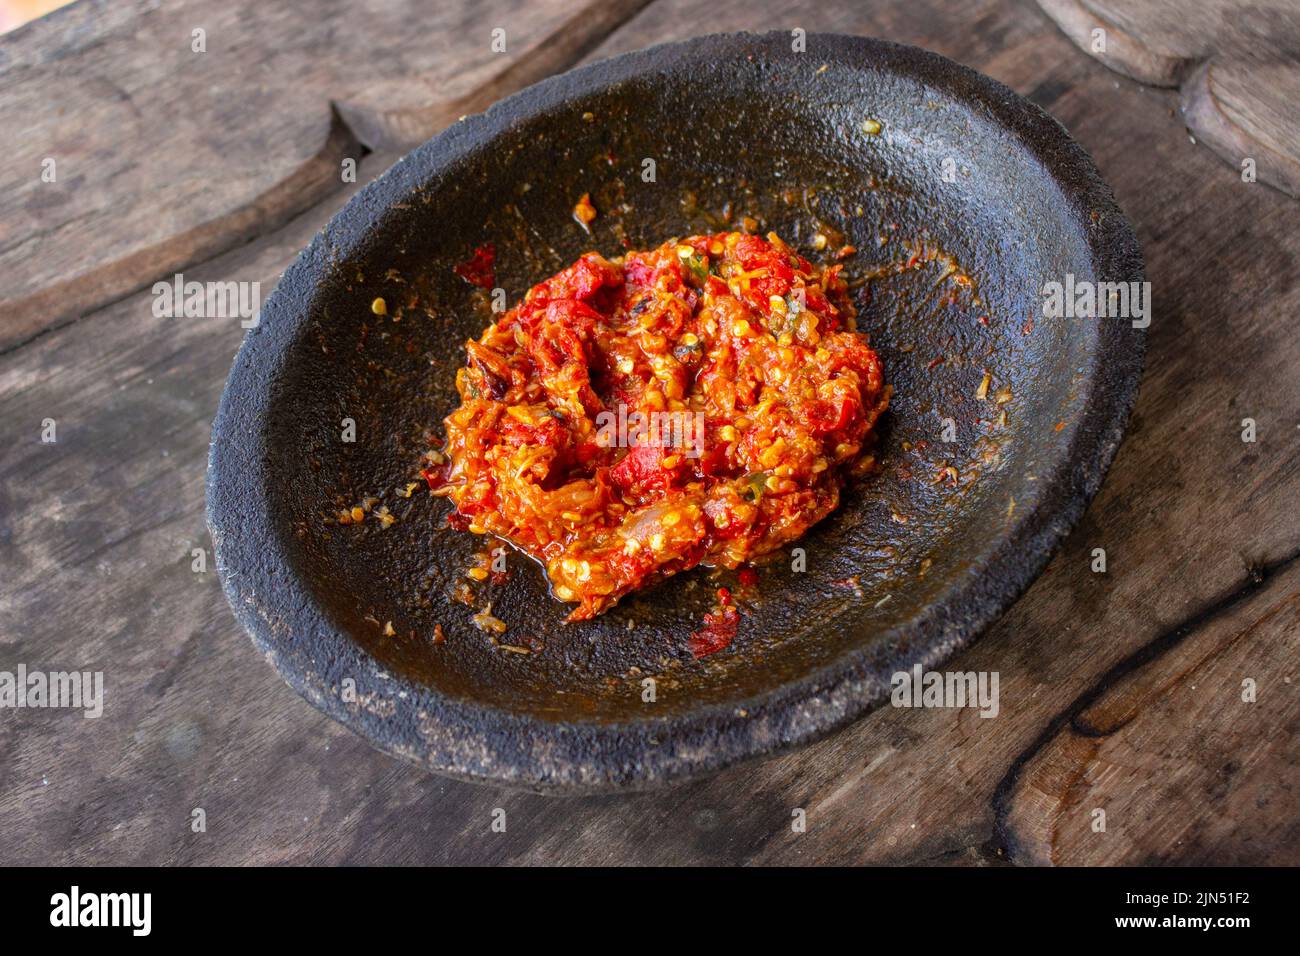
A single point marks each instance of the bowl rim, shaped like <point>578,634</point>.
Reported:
<point>481,742</point>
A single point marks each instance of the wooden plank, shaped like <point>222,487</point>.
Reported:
<point>1236,65</point>
<point>96,532</point>
<point>1189,757</point>
<point>164,156</point>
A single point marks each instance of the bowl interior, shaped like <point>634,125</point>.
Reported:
<point>957,227</point>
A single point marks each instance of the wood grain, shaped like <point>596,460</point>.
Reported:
<point>1236,63</point>
<point>164,156</point>
<point>1118,690</point>
<point>1167,795</point>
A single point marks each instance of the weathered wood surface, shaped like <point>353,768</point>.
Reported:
<point>1119,691</point>
<point>166,154</point>
<point>1237,64</point>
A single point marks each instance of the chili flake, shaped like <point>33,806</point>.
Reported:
<point>479,269</point>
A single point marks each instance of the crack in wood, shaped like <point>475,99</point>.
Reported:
<point>1002,845</point>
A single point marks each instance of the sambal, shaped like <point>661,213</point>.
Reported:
<point>699,403</point>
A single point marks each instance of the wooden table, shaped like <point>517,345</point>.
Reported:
<point>1120,691</point>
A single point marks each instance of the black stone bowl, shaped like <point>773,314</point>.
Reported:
<point>962,199</point>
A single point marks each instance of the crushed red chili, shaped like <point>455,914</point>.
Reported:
<point>718,632</point>
<point>480,268</point>
<point>734,334</point>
